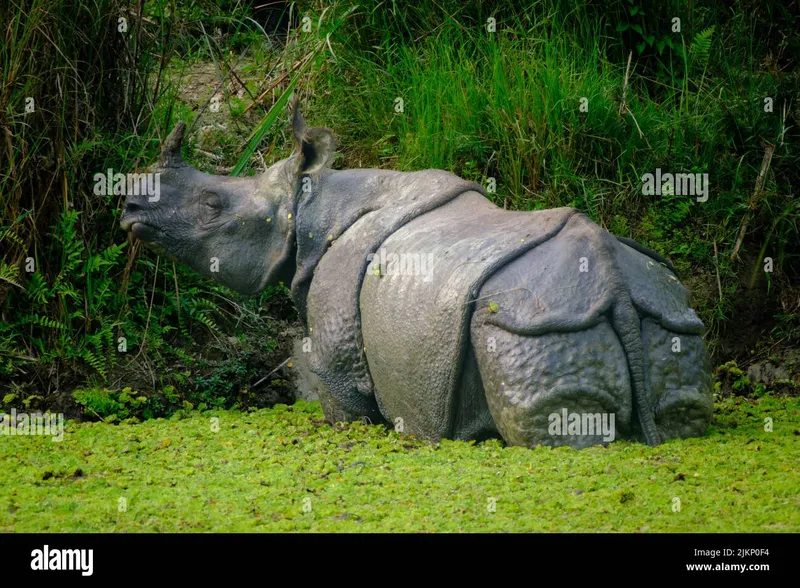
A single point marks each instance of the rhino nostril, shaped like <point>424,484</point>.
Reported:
<point>132,207</point>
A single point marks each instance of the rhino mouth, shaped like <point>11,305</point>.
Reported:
<point>137,226</point>
<point>127,222</point>
<point>143,231</point>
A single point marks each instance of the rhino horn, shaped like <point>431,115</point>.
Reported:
<point>171,149</point>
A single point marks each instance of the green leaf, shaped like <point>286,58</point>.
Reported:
<point>640,46</point>
<point>701,45</point>
<point>623,26</point>
<point>637,28</point>
<point>261,130</point>
<point>650,39</point>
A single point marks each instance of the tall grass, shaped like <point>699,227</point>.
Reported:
<point>78,301</point>
<point>68,79</point>
<point>543,108</point>
<point>507,104</point>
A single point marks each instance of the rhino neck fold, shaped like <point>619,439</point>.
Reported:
<point>338,199</point>
<point>322,216</point>
<point>285,266</point>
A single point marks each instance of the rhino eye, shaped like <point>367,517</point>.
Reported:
<point>212,201</point>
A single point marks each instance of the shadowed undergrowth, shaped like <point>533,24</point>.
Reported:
<point>543,109</point>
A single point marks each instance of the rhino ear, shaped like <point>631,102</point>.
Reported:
<point>171,149</point>
<point>314,148</point>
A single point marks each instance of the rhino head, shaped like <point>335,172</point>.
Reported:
<point>238,231</point>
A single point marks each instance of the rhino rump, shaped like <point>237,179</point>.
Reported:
<point>586,286</point>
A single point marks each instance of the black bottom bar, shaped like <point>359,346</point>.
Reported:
<point>317,556</point>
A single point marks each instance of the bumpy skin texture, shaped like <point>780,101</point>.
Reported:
<point>333,311</point>
<point>416,330</point>
<point>588,323</point>
<point>431,309</point>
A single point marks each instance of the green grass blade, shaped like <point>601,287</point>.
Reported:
<point>263,128</point>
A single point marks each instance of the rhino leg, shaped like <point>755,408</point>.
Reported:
<point>678,380</point>
<point>472,418</point>
<point>534,384</point>
<point>335,411</point>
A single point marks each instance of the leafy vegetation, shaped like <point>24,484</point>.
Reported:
<point>283,469</point>
<point>78,300</point>
<point>547,103</point>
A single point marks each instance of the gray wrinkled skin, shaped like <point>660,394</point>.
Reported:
<point>431,309</point>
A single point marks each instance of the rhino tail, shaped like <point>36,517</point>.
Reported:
<point>626,322</point>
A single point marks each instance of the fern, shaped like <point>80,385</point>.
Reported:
<point>72,245</point>
<point>701,46</point>
<point>42,321</point>
<point>94,360</point>
<point>10,273</point>
<point>13,237</point>
<point>38,290</point>
<point>198,309</point>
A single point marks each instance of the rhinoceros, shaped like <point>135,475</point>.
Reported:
<point>429,308</point>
